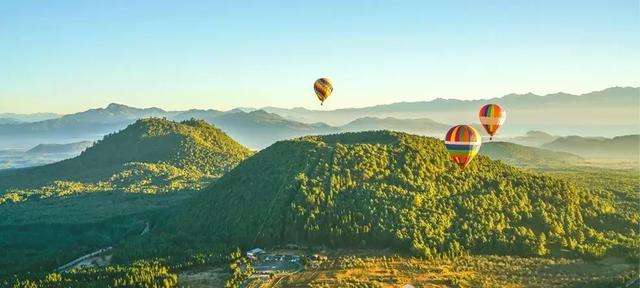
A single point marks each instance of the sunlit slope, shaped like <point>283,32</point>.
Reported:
<point>190,146</point>
<point>389,189</point>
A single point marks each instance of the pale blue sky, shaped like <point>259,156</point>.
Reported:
<point>67,56</point>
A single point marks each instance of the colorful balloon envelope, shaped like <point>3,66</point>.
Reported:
<point>463,143</point>
<point>323,88</point>
<point>491,117</point>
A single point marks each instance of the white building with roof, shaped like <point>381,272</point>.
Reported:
<point>253,253</point>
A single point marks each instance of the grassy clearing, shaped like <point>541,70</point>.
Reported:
<point>469,271</point>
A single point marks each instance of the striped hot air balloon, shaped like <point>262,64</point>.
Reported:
<point>323,88</point>
<point>463,143</point>
<point>491,117</point>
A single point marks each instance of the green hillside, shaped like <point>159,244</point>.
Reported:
<point>395,190</point>
<point>149,146</point>
<point>55,213</point>
<point>525,156</point>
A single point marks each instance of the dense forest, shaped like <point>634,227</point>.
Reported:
<point>156,273</point>
<point>388,189</point>
<point>354,190</point>
<point>51,214</point>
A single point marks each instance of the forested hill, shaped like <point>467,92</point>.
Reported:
<point>191,146</point>
<point>390,189</point>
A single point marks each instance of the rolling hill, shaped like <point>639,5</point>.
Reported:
<point>259,129</point>
<point>525,156</point>
<point>150,146</point>
<point>622,147</point>
<point>395,190</point>
<point>423,126</point>
<point>532,138</point>
<point>61,148</point>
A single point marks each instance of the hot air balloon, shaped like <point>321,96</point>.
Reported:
<point>463,143</point>
<point>491,117</point>
<point>323,89</point>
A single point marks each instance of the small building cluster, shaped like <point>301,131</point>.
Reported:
<point>253,254</point>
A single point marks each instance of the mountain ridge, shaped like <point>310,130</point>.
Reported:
<point>608,112</point>
<point>623,91</point>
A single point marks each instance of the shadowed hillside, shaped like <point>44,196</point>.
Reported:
<point>52,214</point>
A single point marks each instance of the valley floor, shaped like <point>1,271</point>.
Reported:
<point>370,269</point>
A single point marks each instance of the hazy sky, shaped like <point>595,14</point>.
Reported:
<point>67,56</point>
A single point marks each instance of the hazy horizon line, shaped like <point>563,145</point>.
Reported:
<point>314,109</point>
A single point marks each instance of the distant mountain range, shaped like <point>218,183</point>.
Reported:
<point>525,156</point>
<point>622,147</point>
<point>625,148</point>
<point>33,117</point>
<point>88,125</point>
<point>609,112</point>
<point>533,139</point>
<point>10,121</point>
<point>255,129</point>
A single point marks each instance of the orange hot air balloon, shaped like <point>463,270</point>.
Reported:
<point>463,143</point>
<point>491,117</point>
<point>323,88</point>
